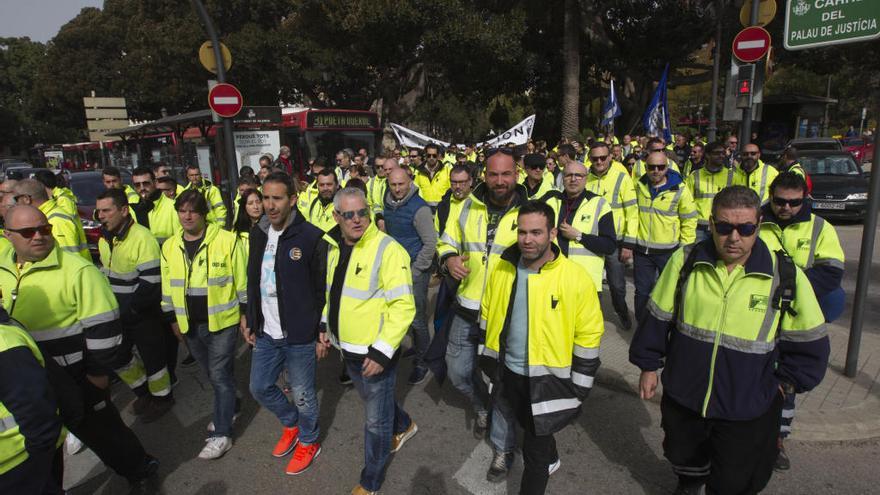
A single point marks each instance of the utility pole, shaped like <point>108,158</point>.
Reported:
<point>716,68</point>
<point>228,138</point>
<point>827,107</point>
<point>745,136</point>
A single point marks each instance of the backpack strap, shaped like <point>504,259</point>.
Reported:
<point>783,297</point>
<point>690,257</point>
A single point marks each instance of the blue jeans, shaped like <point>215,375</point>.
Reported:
<point>215,353</point>
<point>419,326</point>
<point>461,356</point>
<point>384,418</point>
<point>646,271</point>
<point>270,356</point>
<point>615,273</point>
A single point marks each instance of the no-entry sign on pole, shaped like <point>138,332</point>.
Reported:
<point>225,100</point>
<point>751,44</point>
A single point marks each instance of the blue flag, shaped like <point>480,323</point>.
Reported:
<point>611,110</point>
<point>656,118</point>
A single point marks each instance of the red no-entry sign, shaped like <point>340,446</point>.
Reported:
<point>225,100</point>
<point>751,44</point>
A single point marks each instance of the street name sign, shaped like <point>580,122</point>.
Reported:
<point>817,23</point>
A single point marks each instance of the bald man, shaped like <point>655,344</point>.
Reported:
<point>409,221</point>
<point>67,230</point>
<point>67,306</point>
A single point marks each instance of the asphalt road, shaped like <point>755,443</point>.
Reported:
<point>614,447</point>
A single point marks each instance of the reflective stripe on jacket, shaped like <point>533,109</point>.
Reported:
<point>705,184</point>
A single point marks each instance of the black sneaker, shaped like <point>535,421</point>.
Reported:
<point>625,321</point>
<point>783,463</point>
<point>418,375</point>
<point>344,379</point>
<point>140,405</point>
<point>157,408</point>
<point>188,361</point>
<point>500,466</point>
<point>147,470</point>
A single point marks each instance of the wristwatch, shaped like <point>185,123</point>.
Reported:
<point>578,238</point>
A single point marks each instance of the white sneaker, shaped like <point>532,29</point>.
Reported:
<point>72,444</point>
<point>552,468</point>
<point>215,447</point>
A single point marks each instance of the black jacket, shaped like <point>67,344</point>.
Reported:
<point>300,276</point>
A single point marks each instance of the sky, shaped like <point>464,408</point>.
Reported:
<point>39,19</point>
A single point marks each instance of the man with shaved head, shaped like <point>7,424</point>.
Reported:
<point>67,306</point>
<point>409,221</point>
<point>67,230</point>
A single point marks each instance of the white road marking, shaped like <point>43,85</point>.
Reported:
<point>472,474</point>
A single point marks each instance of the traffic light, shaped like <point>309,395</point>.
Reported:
<point>744,82</point>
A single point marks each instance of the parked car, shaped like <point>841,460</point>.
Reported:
<point>840,187</point>
<point>87,186</point>
<point>806,144</point>
<point>861,149</point>
<point>10,164</point>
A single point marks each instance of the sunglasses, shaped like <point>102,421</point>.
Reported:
<point>598,158</point>
<point>794,203</point>
<point>349,215</point>
<point>536,166</point>
<point>30,232</point>
<point>657,167</point>
<point>750,153</point>
<point>431,155</point>
<point>744,229</point>
<point>574,176</point>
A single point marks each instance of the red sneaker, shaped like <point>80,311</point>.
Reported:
<point>288,440</point>
<point>302,458</point>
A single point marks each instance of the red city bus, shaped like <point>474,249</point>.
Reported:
<point>312,133</point>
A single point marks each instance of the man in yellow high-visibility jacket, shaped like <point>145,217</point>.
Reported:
<point>67,230</point>
<point>753,173</point>
<point>369,307</point>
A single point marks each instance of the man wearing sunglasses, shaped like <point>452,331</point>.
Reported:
<point>615,185</point>
<point>538,181</point>
<point>155,210</point>
<point>789,223</point>
<point>369,309</point>
<point>731,151</point>
<point>67,306</point>
<point>754,173</point>
<point>730,345</point>
<point>432,177</point>
<point>655,144</point>
<point>667,220</point>
<point>707,181</point>
<point>470,247</point>
<point>67,231</point>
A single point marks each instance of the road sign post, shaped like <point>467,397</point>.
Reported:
<point>750,45</point>
<point>225,100</point>
<point>813,24</point>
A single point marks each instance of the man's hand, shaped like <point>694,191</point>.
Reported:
<point>456,268</point>
<point>647,384</point>
<point>371,368</point>
<point>626,255</point>
<point>568,231</point>
<point>246,334</point>
<point>380,224</point>
<point>322,347</point>
<point>102,382</point>
<point>176,329</point>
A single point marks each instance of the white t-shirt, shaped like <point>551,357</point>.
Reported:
<point>269,289</point>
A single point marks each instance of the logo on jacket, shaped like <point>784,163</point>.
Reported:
<point>803,244</point>
<point>586,217</point>
<point>554,301</point>
<point>295,253</point>
<point>758,302</point>
<point>357,269</point>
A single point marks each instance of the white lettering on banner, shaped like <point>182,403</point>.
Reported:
<point>518,134</point>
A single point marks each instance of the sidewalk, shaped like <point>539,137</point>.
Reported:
<point>839,409</point>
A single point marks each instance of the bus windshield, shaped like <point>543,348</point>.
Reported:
<point>327,143</point>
